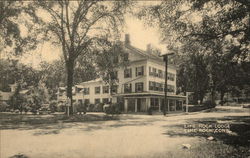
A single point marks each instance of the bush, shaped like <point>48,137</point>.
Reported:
<point>209,104</point>
<point>113,109</point>
<point>3,106</point>
<point>81,108</point>
<point>53,106</point>
<point>98,107</point>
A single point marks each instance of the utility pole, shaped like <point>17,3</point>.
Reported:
<point>165,58</point>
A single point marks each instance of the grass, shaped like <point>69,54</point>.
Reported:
<point>205,149</point>
<point>18,121</point>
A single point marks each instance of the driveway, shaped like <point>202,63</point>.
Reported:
<point>131,136</point>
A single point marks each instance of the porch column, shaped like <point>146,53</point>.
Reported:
<point>175,105</point>
<point>147,103</point>
<point>182,105</point>
<point>159,100</point>
<point>168,105</point>
<point>125,105</point>
<point>135,104</point>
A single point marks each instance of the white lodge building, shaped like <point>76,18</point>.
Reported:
<point>140,86</point>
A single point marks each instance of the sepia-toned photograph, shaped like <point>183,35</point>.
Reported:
<point>124,78</point>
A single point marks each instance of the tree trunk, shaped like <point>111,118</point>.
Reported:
<point>222,93</point>
<point>195,98</point>
<point>212,95</point>
<point>70,73</point>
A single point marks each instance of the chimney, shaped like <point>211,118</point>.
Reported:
<point>127,39</point>
<point>149,49</point>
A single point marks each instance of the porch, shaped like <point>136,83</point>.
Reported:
<point>142,103</point>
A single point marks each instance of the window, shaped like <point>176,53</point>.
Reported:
<point>97,90</point>
<point>80,101</point>
<point>127,88</point>
<point>140,71</point>
<point>86,91</point>
<point>105,89</point>
<point>157,86</point>
<point>128,73</point>
<point>170,88</point>
<point>86,101</point>
<point>78,90</point>
<point>97,101</point>
<point>114,75</point>
<point>154,72</point>
<point>160,73</point>
<point>139,87</point>
<point>151,85</point>
<point>125,56</point>
<point>114,88</point>
<point>162,86</point>
<point>105,100</point>
<point>150,71</point>
<point>171,76</point>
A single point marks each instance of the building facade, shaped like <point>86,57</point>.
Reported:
<point>140,84</point>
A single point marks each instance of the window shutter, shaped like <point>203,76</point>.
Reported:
<point>142,70</point>
<point>130,72</point>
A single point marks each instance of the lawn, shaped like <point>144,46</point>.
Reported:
<point>24,121</point>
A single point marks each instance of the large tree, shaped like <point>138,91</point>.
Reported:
<point>80,26</point>
<point>221,29</point>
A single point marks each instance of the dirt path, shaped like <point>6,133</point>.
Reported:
<point>132,136</point>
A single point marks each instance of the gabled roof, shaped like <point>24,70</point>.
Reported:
<point>87,82</point>
<point>147,55</point>
<point>143,53</point>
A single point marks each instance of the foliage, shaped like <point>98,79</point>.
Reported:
<point>15,17</point>
<point>39,95</point>
<point>215,31</point>
<point>85,69</point>
<point>53,106</point>
<point>109,61</point>
<point>3,106</point>
<point>17,100</point>
<point>80,107</point>
<point>12,71</point>
<point>113,109</point>
<point>209,104</point>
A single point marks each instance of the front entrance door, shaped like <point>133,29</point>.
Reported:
<point>138,104</point>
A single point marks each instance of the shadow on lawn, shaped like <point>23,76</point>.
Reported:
<point>53,124</point>
<point>239,125</point>
<point>29,122</point>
